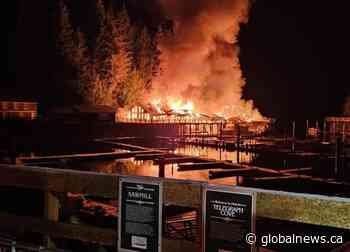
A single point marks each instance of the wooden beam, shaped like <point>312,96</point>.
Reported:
<point>84,156</point>
<point>274,178</point>
<point>51,213</point>
<point>151,156</point>
<point>296,170</point>
<point>229,173</point>
<point>56,180</point>
<point>200,166</point>
<point>183,193</point>
<point>53,229</point>
<point>304,208</point>
<point>177,160</point>
<point>131,147</point>
<point>312,209</point>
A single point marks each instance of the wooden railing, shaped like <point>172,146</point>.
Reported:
<point>303,208</point>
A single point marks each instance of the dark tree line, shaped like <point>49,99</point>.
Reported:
<point>119,67</point>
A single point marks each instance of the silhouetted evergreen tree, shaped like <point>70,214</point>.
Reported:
<point>65,40</point>
<point>122,59</point>
<point>145,56</point>
<point>85,70</point>
<point>104,44</point>
<point>163,35</point>
<point>131,90</point>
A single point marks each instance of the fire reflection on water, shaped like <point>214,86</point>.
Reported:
<point>147,168</point>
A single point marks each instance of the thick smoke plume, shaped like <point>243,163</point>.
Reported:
<point>200,61</point>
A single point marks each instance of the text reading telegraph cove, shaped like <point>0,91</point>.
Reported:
<point>228,219</point>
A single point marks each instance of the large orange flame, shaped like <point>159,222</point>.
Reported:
<point>187,107</point>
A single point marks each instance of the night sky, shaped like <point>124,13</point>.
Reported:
<point>294,55</point>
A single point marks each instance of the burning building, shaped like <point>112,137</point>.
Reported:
<point>190,122</point>
<point>201,78</point>
<point>157,113</point>
<point>200,58</point>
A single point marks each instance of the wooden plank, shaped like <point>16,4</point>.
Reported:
<point>296,170</point>
<point>131,147</point>
<point>200,166</point>
<point>56,180</point>
<point>175,160</point>
<point>304,208</point>
<point>178,159</point>
<point>330,211</point>
<point>151,156</point>
<point>51,212</point>
<point>230,173</point>
<point>275,178</point>
<point>84,156</point>
<point>170,245</point>
<point>182,193</point>
<point>86,233</point>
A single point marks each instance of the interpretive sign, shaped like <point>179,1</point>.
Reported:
<point>229,218</point>
<point>140,215</point>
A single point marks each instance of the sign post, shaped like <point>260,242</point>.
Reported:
<point>229,219</point>
<point>140,215</point>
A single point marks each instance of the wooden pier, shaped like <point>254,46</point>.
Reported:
<point>302,208</point>
<point>216,168</point>
<point>85,156</point>
<point>57,183</point>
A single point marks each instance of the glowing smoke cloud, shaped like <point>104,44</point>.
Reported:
<point>200,62</point>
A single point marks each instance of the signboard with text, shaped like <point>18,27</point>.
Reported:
<point>140,215</point>
<point>229,218</point>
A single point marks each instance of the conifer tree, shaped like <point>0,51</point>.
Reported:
<point>86,74</point>
<point>122,60</point>
<point>163,35</point>
<point>145,57</point>
<point>131,90</point>
<point>104,45</point>
<point>65,40</point>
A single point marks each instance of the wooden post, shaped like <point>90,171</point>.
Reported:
<point>324,131</point>
<point>317,130</point>
<point>220,131</point>
<point>200,228</point>
<point>336,156</point>
<point>307,128</point>
<point>51,212</point>
<point>293,137</point>
<point>337,160</point>
<point>238,142</point>
<point>161,171</point>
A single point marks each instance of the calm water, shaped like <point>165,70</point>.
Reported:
<point>147,168</point>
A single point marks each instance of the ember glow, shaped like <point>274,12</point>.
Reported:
<point>181,107</point>
<point>178,105</point>
<point>175,106</point>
